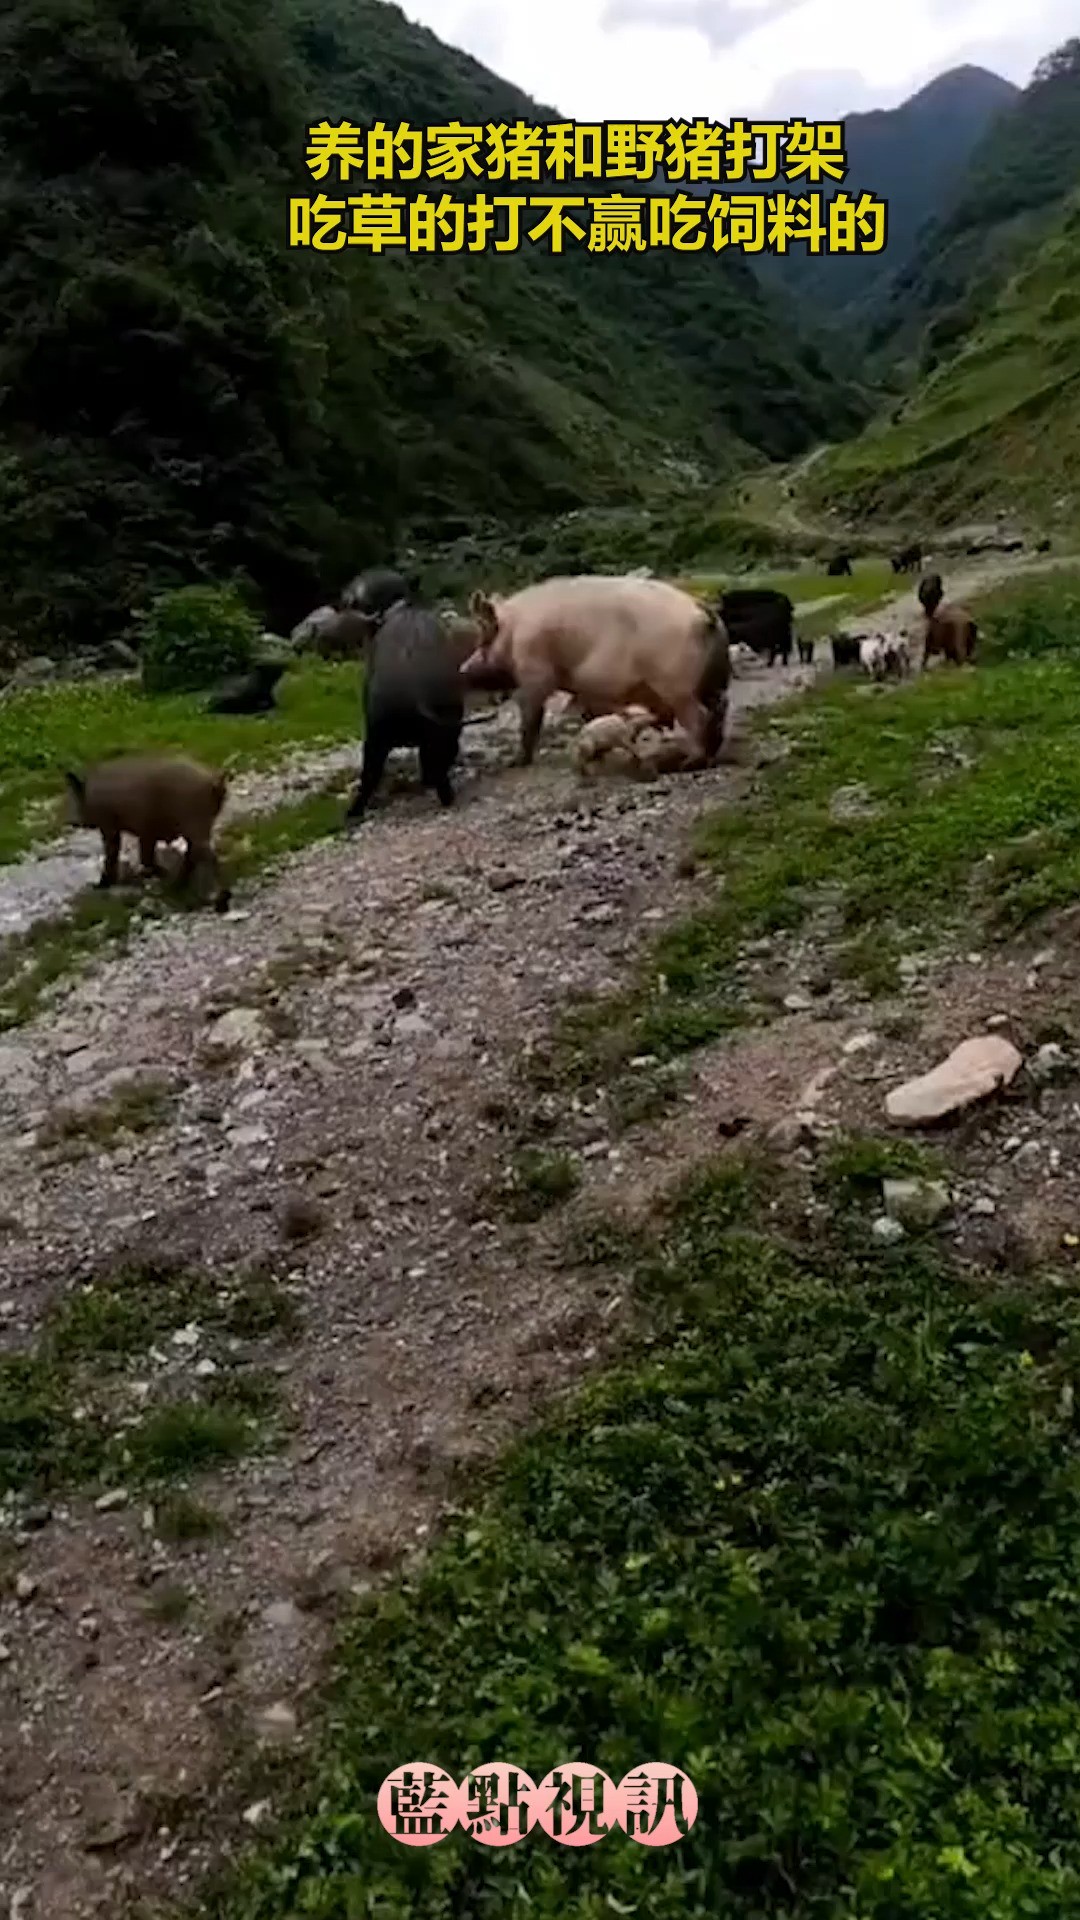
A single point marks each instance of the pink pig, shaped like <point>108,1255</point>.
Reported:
<point>611,641</point>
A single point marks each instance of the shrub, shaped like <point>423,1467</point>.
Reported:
<point>194,636</point>
<point>1033,618</point>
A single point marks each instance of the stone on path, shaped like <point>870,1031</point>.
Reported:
<point>974,1069</point>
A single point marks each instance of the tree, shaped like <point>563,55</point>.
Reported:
<point>169,384</point>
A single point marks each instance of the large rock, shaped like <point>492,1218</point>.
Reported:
<point>241,1030</point>
<point>974,1069</point>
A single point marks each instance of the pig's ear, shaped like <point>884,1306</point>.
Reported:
<point>485,613</point>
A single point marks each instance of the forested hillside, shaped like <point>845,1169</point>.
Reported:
<point>914,156</point>
<point>182,395</point>
<point>1021,172</point>
<point>996,425</point>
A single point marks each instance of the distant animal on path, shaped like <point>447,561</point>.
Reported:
<point>931,592</point>
<point>872,655</point>
<point>951,634</point>
<point>897,656</point>
<point>155,799</point>
<point>845,650</point>
<point>806,652</point>
<point>611,642</point>
<point>252,692</point>
<point>838,565</point>
<point>761,618</point>
<point>1042,546</point>
<point>413,697</point>
<point>909,558</point>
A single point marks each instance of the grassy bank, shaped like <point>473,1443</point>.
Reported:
<point>953,804</point>
<point>814,1544</point>
<point>45,730</point>
<point>815,1539</point>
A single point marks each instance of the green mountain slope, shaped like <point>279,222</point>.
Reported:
<point>913,156</point>
<point>183,396</point>
<point>996,425</point>
<point>1021,172</point>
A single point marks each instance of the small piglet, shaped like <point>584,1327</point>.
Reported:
<point>413,697</point>
<point>155,799</point>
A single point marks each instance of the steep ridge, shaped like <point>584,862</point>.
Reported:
<point>996,425</point>
<point>1021,171</point>
<point>913,156</point>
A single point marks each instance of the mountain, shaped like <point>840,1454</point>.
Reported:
<point>700,326</point>
<point>995,425</point>
<point>1019,175</point>
<point>182,395</point>
<point>912,156</point>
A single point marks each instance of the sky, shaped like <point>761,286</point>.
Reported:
<point>671,59</point>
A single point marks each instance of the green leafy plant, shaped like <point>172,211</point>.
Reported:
<point>194,636</point>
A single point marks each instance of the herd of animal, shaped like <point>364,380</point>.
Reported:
<point>647,665</point>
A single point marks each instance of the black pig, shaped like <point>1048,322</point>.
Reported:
<point>413,697</point>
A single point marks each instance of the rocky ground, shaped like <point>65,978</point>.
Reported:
<point>324,1080</point>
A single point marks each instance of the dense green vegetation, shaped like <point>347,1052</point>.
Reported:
<point>996,423</point>
<point>1026,164</point>
<point>183,397</point>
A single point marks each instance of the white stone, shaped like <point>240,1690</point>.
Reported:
<point>973,1070</point>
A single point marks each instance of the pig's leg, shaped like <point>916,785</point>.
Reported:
<point>693,718</point>
<point>148,856</point>
<point>376,754</point>
<point>531,702</point>
<point>111,843</point>
<point>437,756</point>
<point>717,721</point>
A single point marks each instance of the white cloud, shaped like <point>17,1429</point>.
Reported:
<point>661,59</point>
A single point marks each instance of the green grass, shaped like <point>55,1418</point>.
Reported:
<point>46,730</point>
<point>64,1419</point>
<point>977,779</point>
<point>536,1180</point>
<point>816,1545</point>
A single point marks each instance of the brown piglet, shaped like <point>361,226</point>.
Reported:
<point>154,798</point>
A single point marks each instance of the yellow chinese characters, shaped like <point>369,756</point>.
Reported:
<point>752,223</point>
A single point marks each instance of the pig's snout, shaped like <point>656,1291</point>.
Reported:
<point>486,674</point>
